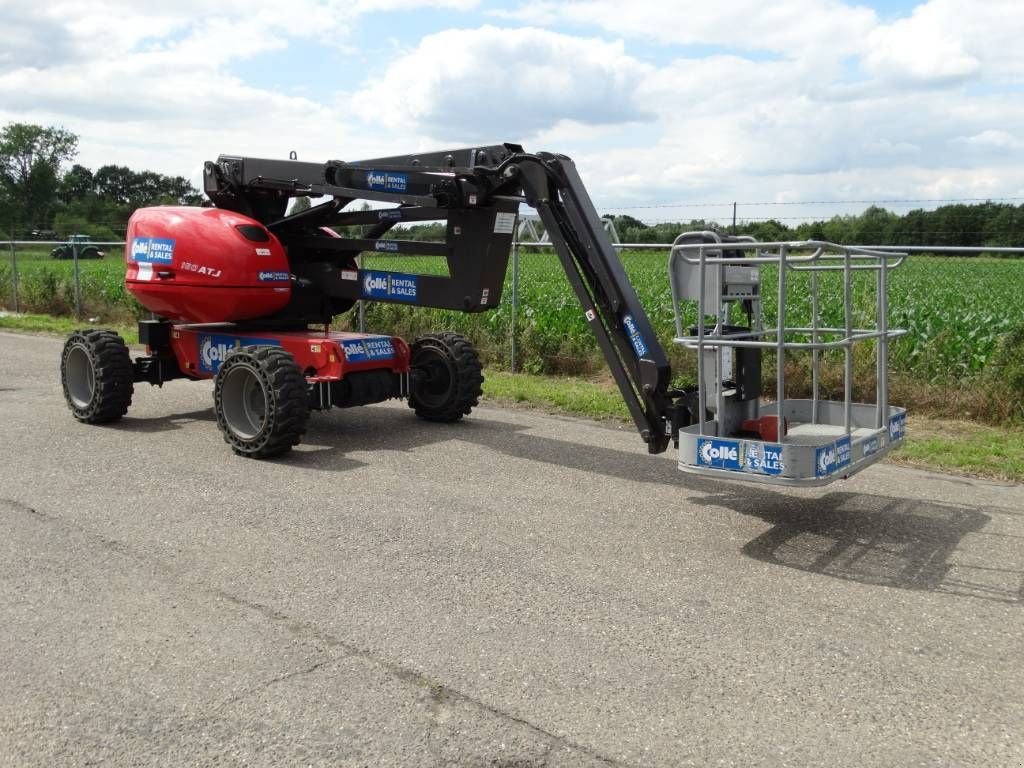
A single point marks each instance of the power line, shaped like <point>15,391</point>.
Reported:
<point>809,220</point>
<point>908,201</point>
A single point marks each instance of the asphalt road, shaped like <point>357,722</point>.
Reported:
<point>513,590</point>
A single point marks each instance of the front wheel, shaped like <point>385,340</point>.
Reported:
<point>448,378</point>
<point>261,402</point>
<point>96,373</point>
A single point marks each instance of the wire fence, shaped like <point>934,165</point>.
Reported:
<point>26,256</point>
<point>537,326</point>
<point>723,213</point>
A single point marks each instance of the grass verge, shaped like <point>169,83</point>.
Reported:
<point>951,446</point>
<point>962,447</point>
<point>61,325</point>
<point>558,394</point>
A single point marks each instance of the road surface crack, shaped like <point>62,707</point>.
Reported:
<point>275,681</point>
<point>435,688</point>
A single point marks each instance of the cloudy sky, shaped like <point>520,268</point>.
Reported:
<point>660,102</point>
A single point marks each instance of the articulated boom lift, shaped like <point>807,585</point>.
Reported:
<point>239,290</point>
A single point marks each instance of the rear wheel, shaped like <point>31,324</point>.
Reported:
<point>261,401</point>
<point>96,373</point>
<point>448,377</point>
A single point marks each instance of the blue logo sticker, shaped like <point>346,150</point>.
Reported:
<point>273,277</point>
<point>379,348</point>
<point>387,181</point>
<point>372,348</point>
<point>152,250</point>
<point>634,336</point>
<point>844,454</point>
<point>722,454</point>
<point>391,246</point>
<point>375,285</point>
<point>391,214</point>
<point>355,352</point>
<point>825,460</point>
<point>389,285</point>
<point>871,446</point>
<point>765,458</point>
<point>214,348</point>
<point>897,427</point>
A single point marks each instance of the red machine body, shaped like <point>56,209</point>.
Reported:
<point>322,357</point>
<point>205,265</point>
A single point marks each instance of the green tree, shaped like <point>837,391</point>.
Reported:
<point>135,189</point>
<point>299,204</point>
<point>624,221</point>
<point>7,217</point>
<point>30,161</point>
<point>874,227</point>
<point>770,231</point>
<point>179,190</point>
<point>116,183</point>
<point>76,183</point>
<point>1006,227</point>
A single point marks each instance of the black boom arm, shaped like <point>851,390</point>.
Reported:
<point>610,305</point>
<point>477,191</point>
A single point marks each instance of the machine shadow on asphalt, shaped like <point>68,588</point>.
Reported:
<point>870,539</point>
<point>162,423</point>
<point>883,541</point>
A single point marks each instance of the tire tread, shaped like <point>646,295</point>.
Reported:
<point>469,378</point>
<point>288,412</point>
<point>112,368</point>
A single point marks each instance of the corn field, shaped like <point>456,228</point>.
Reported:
<point>957,310</point>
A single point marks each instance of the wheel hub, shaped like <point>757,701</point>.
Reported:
<point>244,402</point>
<point>81,378</point>
<point>436,384</point>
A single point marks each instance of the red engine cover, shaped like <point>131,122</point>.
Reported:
<point>205,265</point>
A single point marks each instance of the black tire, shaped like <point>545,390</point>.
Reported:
<point>57,253</point>
<point>261,401</point>
<point>448,377</point>
<point>96,374</point>
<point>90,252</point>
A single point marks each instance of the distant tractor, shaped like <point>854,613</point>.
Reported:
<point>86,249</point>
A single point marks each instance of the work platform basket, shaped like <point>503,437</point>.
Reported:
<point>737,434</point>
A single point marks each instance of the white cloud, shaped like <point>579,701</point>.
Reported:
<point>791,28</point>
<point>992,138</point>
<point>950,40</point>
<point>148,84</point>
<point>471,85</point>
<point>923,49</point>
<point>800,99</point>
<point>846,100</point>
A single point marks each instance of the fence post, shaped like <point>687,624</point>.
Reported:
<point>78,282</point>
<point>14,273</point>
<point>362,304</point>
<point>515,299</point>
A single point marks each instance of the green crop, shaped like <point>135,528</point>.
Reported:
<point>956,310</point>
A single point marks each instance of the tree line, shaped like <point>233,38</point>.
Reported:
<point>39,193</point>
<point>41,197</point>
<point>979,225</point>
